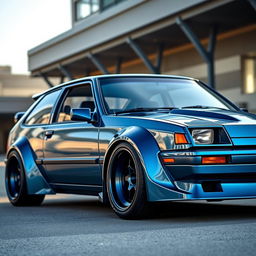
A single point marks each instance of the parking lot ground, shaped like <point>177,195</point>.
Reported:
<point>80,225</point>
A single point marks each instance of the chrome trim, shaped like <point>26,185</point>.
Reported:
<point>75,185</point>
<point>88,160</point>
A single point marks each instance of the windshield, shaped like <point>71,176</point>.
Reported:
<point>131,94</point>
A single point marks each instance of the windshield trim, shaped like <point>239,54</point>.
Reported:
<point>218,95</point>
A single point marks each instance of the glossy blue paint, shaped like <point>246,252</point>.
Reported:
<point>241,130</point>
<point>81,114</point>
<point>78,143</point>
<point>36,183</point>
<point>76,155</point>
<point>230,191</point>
<point>145,145</point>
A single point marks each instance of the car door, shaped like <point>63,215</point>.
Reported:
<point>71,147</point>
<point>37,121</point>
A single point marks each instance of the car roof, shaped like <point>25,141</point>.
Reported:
<point>36,96</point>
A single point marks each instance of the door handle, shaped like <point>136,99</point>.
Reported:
<point>48,134</point>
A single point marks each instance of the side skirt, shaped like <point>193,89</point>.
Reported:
<point>76,189</point>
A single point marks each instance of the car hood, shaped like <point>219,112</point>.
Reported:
<point>241,126</point>
<point>201,117</point>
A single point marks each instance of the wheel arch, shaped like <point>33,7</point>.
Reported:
<point>145,145</point>
<point>36,183</point>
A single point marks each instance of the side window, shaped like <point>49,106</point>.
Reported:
<point>77,97</point>
<point>41,113</point>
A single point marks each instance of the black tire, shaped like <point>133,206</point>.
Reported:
<point>125,183</point>
<point>15,183</point>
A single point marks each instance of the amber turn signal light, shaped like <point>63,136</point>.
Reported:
<point>180,138</point>
<point>214,160</point>
<point>168,160</point>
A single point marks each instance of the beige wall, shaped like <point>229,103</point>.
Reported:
<point>13,85</point>
<point>15,95</point>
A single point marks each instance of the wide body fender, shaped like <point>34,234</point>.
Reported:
<point>36,183</point>
<point>159,185</point>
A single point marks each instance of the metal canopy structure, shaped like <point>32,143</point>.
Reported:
<point>146,42</point>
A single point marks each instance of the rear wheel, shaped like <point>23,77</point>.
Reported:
<point>15,183</point>
<point>125,183</point>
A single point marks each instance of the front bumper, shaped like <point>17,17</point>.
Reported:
<point>193,180</point>
<point>228,191</point>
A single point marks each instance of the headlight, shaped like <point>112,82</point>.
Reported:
<point>203,136</point>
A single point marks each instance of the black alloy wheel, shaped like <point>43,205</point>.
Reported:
<point>15,183</point>
<point>125,183</point>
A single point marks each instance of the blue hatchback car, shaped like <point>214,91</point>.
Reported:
<point>131,140</point>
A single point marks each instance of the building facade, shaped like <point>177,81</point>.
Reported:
<point>212,40</point>
<point>15,96</point>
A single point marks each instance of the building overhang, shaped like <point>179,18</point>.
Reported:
<point>101,42</point>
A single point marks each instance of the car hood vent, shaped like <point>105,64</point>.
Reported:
<point>204,114</point>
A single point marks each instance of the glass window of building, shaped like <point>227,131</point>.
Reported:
<point>249,75</point>
<point>107,3</point>
<point>95,5</point>
<point>84,8</point>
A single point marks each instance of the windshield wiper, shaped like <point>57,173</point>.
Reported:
<point>201,106</point>
<point>143,110</point>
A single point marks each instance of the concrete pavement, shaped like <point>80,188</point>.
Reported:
<point>80,225</point>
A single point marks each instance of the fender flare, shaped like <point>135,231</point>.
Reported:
<point>36,183</point>
<point>148,150</point>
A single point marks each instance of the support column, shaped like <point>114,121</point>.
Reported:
<point>118,65</point>
<point>211,51</point>
<point>46,79</point>
<point>207,55</point>
<point>159,58</point>
<point>98,64</point>
<point>143,56</point>
<point>65,72</point>
<point>62,79</point>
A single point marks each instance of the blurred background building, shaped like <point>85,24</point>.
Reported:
<point>212,40</point>
<point>15,96</point>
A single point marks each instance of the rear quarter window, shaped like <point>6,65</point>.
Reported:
<point>42,111</point>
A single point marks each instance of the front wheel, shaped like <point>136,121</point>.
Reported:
<point>15,183</point>
<point>125,183</point>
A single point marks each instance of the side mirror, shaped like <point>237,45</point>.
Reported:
<point>18,116</point>
<point>81,114</point>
